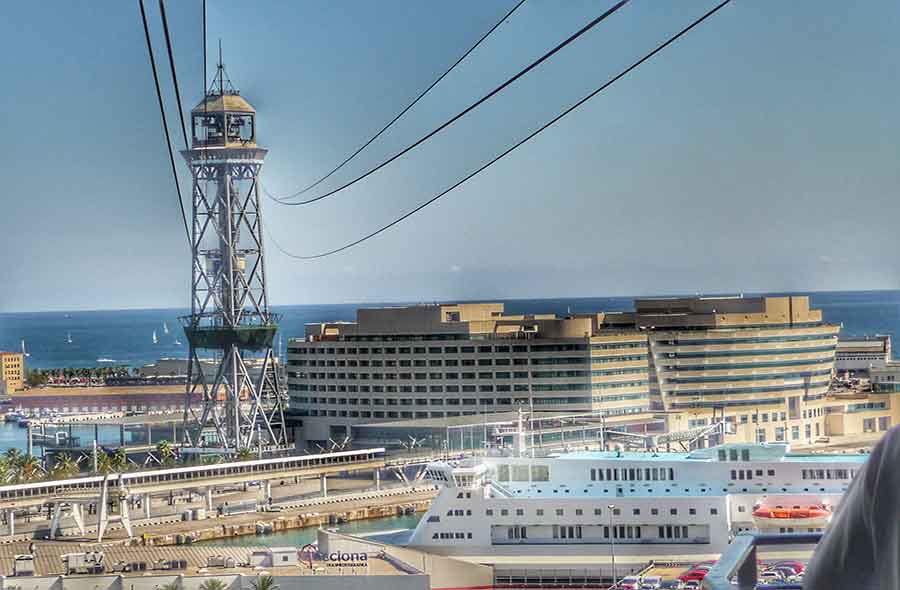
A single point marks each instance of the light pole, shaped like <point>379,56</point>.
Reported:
<point>612,543</point>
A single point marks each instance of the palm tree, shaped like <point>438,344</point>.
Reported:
<point>104,462</point>
<point>265,583</point>
<point>164,452</point>
<point>119,459</point>
<point>64,466</point>
<point>244,455</point>
<point>173,585</point>
<point>213,584</point>
<point>29,469</point>
<point>12,455</point>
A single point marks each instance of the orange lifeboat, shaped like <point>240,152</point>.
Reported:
<point>813,516</point>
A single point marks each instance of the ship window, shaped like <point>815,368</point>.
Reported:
<point>759,473</point>
<point>713,511</point>
<point>671,473</point>
<point>636,511</point>
<point>745,454</point>
<point>684,532</point>
<point>520,512</point>
<point>609,475</point>
<point>597,512</point>
<point>654,511</point>
<point>504,512</point>
<point>673,511</point>
<point>733,455</point>
<point>662,532</point>
<point>721,454</point>
<point>503,472</point>
<point>540,473</point>
<point>579,512</point>
<point>771,472</point>
<point>631,473</point>
<point>559,512</point>
<point>489,512</point>
<point>600,474</point>
<point>647,474</point>
<point>520,472</point>
<point>593,475</point>
<point>692,511</point>
<point>539,512</point>
<point>733,474</point>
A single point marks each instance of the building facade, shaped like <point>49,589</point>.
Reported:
<point>12,372</point>
<point>859,354</point>
<point>763,364</point>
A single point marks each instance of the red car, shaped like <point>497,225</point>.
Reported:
<point>695,573</point>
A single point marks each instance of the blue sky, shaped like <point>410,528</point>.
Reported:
<point>757,154</point>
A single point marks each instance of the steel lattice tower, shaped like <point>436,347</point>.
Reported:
<point>240,398</point>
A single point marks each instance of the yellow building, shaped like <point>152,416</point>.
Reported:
<point>12,371</point>
<point>763,364</point>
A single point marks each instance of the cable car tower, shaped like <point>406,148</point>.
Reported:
<point>235,403</point>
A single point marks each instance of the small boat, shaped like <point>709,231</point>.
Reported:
<point>12,416</point>
<point>155,339</point>
<point>25,353</point>
<point>68,338</point>
<point>816,515</point>
<point>24,422</point>
<point>177,342</point>
<point>165,328</point>
<point>105,360</point>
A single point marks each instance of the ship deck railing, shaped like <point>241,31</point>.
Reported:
<point>739,561</point>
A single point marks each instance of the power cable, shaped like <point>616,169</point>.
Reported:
<point>521,142</point>
<point>410,105</point>
<point>165,23</point>
<point>165,124</point>
<point>463,113</point>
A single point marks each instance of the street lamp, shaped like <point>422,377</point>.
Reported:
<point>612,543</point>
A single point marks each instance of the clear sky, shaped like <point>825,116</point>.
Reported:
<point>757,154</point>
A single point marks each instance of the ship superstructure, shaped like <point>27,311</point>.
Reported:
<point>648,504</point>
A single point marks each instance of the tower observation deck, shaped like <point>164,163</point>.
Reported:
<point>241,399</point>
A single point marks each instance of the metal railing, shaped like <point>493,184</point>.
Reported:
<point>739,560</point>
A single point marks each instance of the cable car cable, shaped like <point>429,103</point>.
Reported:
<point>165,124</point>
<point>461,114</point>
<point>521,142</point>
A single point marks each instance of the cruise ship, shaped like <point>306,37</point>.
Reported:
<point>648,505</point>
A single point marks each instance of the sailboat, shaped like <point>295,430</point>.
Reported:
<point>155,339</point>
<point>165,328</point>
<point>68,338</point>
<point>177,342</point>
<point>25,353</point>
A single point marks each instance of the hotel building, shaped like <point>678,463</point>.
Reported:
<point>12,372</point>
<point>764,364</point>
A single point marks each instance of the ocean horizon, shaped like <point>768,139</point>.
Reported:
<point>119,337</point>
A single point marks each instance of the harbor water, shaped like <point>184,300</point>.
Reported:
<point>395,530</point>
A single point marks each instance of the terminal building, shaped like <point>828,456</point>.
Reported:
<point>859,354</point>
<point>764,364</point>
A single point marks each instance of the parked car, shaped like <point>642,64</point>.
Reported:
<point>651,583</point>
<point>629,583</point>
<point>796,565</point>
<point>692,585</point>
<point>697,573</point>
<point>770,577</point>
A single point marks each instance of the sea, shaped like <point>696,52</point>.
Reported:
<point>125,337</point>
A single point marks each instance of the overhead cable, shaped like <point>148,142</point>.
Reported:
<point>165,23</point>
<point>409,106</point>
<point>521,142</point>
<point>165,124</point>
<point>463,113</point>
